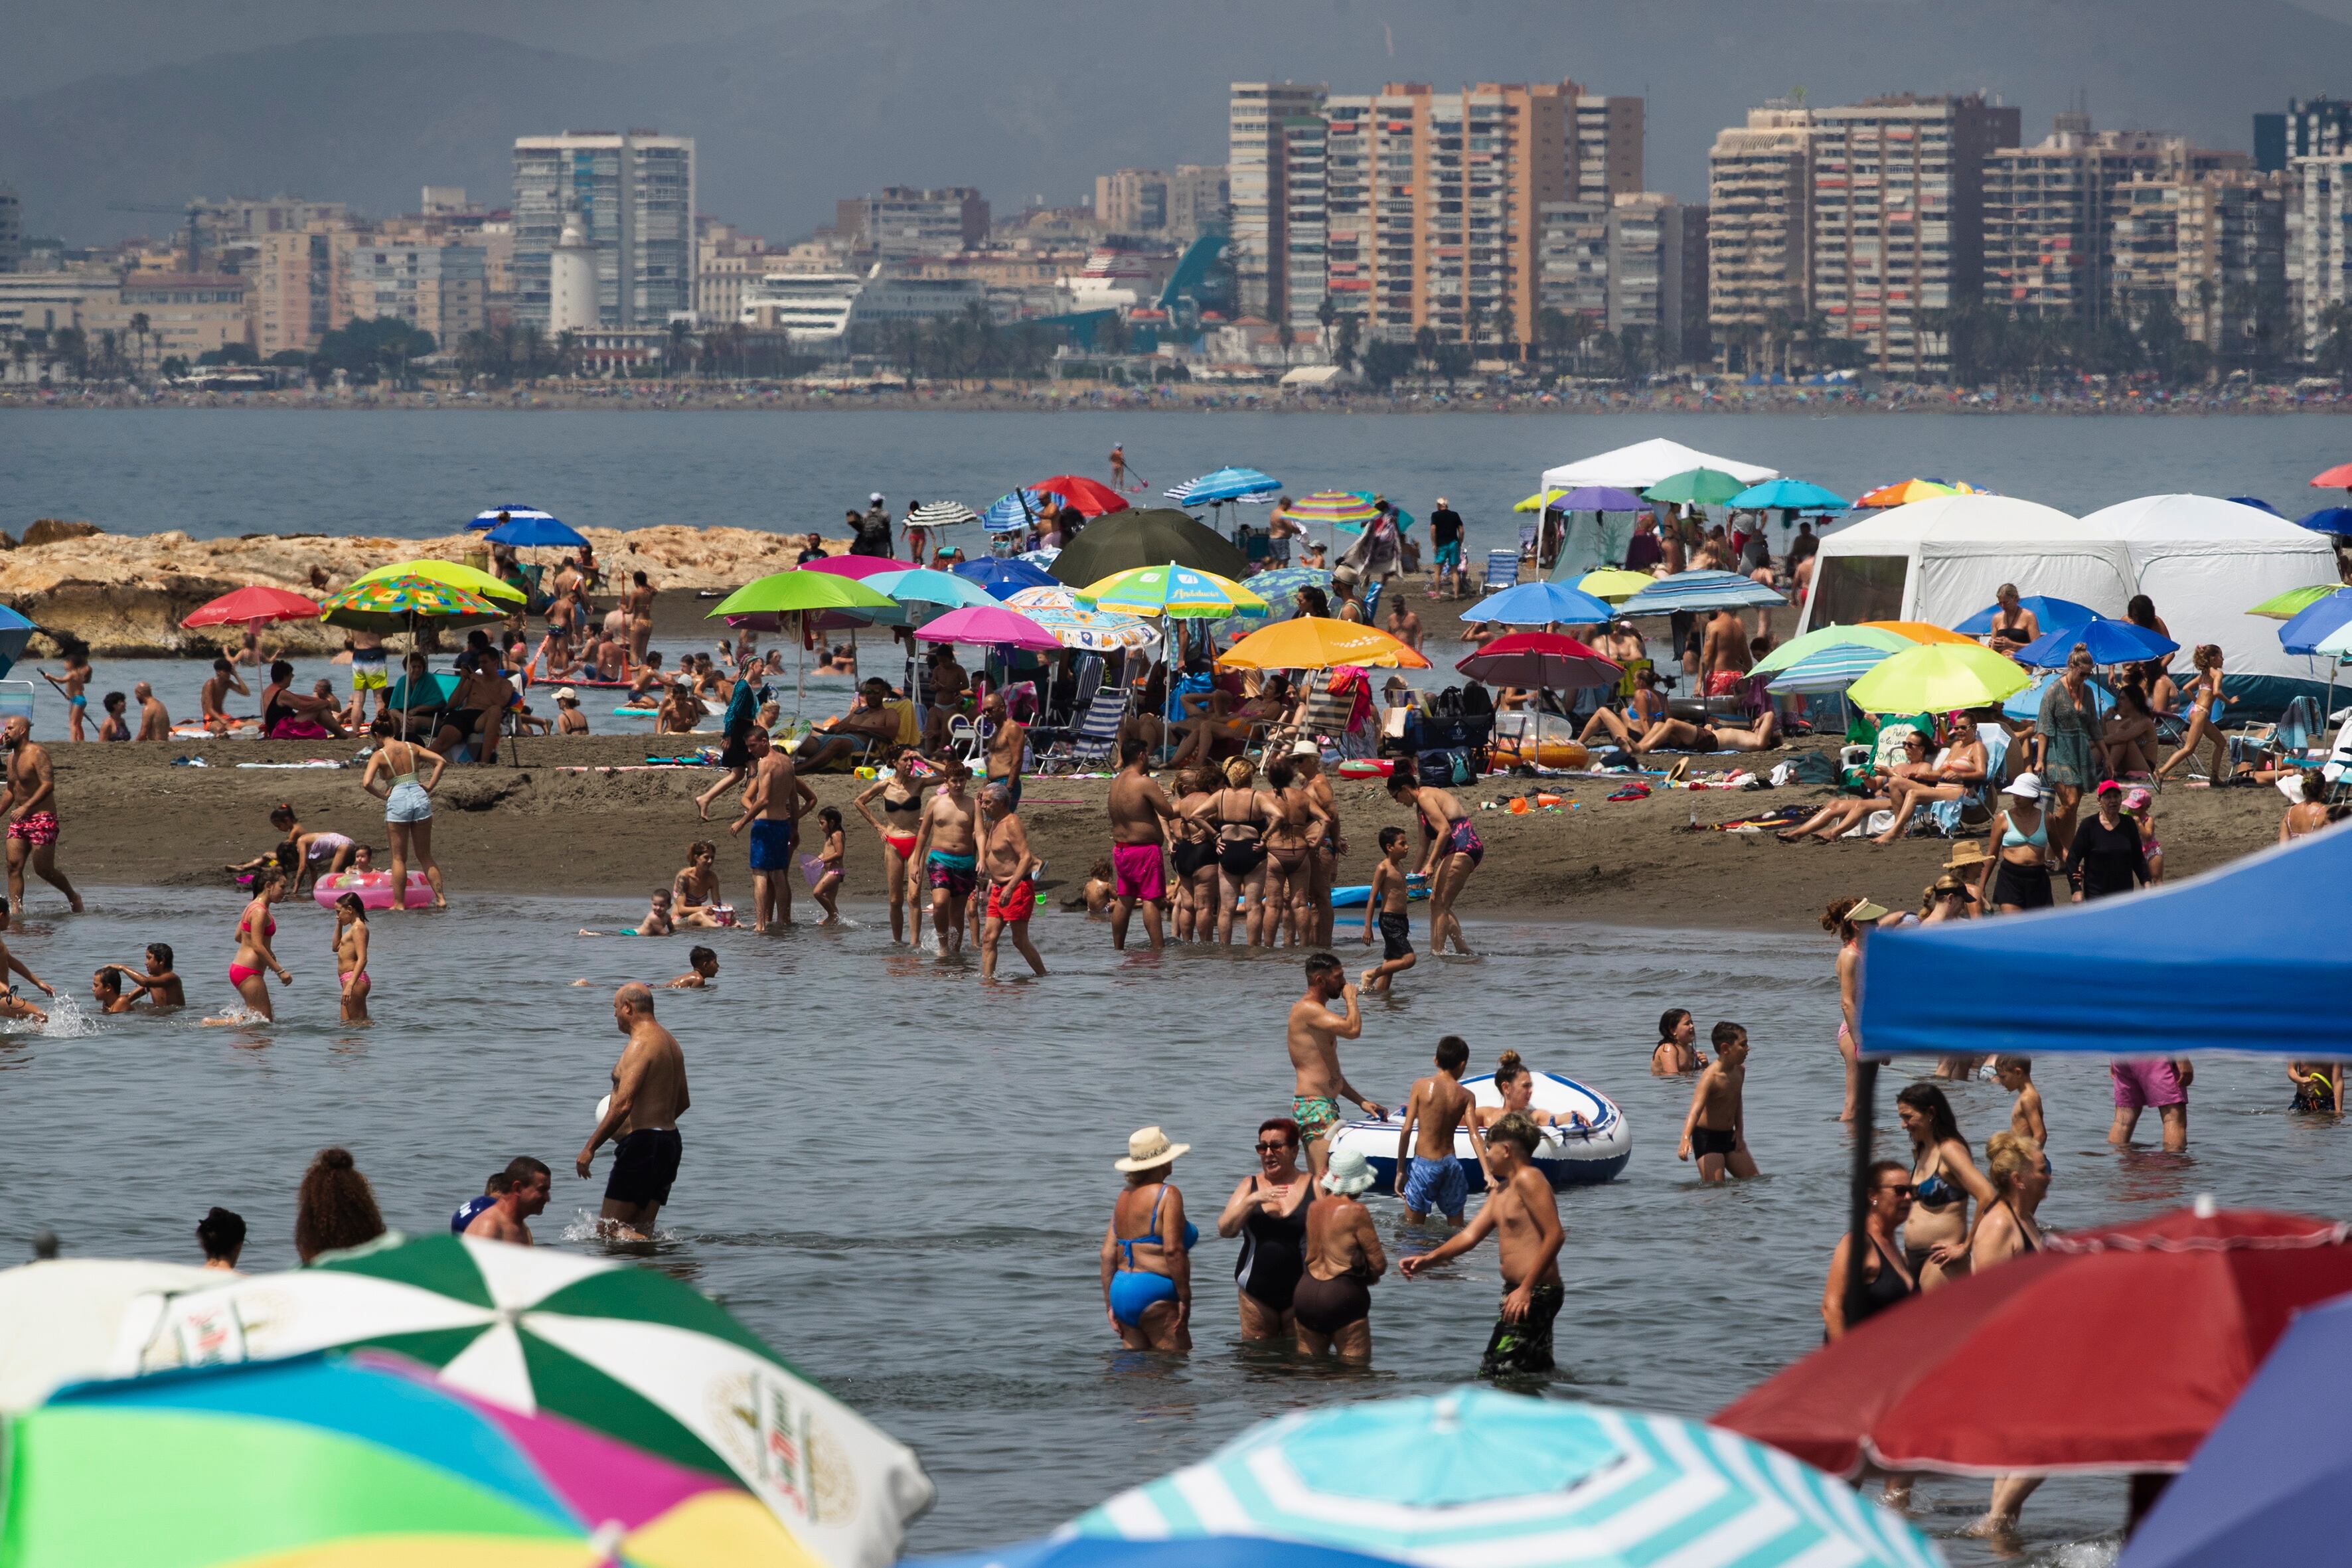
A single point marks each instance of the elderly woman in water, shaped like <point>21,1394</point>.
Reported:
<point>1146,1265</point>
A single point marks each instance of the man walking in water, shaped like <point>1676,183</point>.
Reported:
<point>1012,879</point>
<point>648,1097</point>
<point>1317,1083</point>
<point>772,804</point>
<point>1137,808</point>
<point>1525,1219</point>
<point>32,816</point>
<point>529,1186</point>
<point>947,849</point>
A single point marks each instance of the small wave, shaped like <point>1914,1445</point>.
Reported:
<point>67,1021</point>
<point>584,1227</point>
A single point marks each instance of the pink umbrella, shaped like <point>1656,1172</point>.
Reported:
<point>856,566</point>
<point>989,625</point>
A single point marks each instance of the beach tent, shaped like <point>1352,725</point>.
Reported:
<point>2203,561</point>
<point>2241,959</point>
<point>1598,539</point>
<point>1941,559</point>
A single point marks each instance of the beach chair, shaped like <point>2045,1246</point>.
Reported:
<point>1090,744</point>
<point>1373,603</point>
<point>1526,541</point>
<point>1502,570</point>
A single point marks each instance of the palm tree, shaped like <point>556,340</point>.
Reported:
<point>1285,335</point>
<point>139,327</point>
<point>680,347</point>
<point>567,353</point>
<point>1425,343</point>
<point>1352,332</point>
<point>20,350</point>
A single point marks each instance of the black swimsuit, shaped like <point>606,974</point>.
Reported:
<point>1274,1252</point>
<point>1239,855</point>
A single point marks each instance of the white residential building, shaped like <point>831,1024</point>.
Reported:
<point>634,194</point>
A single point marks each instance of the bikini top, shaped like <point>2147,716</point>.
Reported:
<point>1935,1194</point>
<point>2011,839</point>
<point>244,926</point>
<point>1151,1233</point>
<point>2024,1237</point>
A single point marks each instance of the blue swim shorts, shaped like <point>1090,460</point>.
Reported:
<point>1436,1184</point>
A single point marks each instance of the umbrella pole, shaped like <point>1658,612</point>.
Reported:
<point>1865,1105</point>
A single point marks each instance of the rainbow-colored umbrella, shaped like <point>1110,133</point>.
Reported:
<point>1340,509</point>
<point>1182,592</point>
<point>395,604</point>
<point>450,574</point>
<point>352,1461</point>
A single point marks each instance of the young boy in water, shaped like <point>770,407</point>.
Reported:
<point>1430,1177</point>
<point>1713,1127</point>
<point>1387,903</point>
<point>159,985</point>
<point>2016,1075</point>
<point>705,970</point>
<point>1524,1216</point>
<point>106,990</point>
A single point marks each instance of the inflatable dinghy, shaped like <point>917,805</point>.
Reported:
<point>1570,1156</point>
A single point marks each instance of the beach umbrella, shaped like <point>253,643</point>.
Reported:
<point>922,586</point>
<point>1004,577</point>
<point>1548,660</point>
<point>62,1316</point>
<point>2109,642</point>
<point>535,532</point>
<point>1903,492</point>
<point>1093,631</point>
<point>1540,604</point>
<point>1703,590</point>
<point>1180,592</point>
<point>1198,1551</point>
<point>2335,519</point>
<point>1696,487</point>
<point>16,631</point>
<point>989,625</point>
<point>804,592</point>
<point>2312,624</point>
<point>1822,638</point>
<point>2338,478</point>
<point>1937,678</point>
<point>1055,596</point>
<point>352,1460</point>
<point>1012,512</point>
<point>395,604</point>
<point>625,1351</point>
<point>491,517</point>
<point>1920,631</point>
<point>2262,1487</point>
<point>1091,497</point>
<point>2050,613</point>
<point>2294,601</point>
<point>437,687</point>
<point>1336,509</point>
<point>2116,1349</point>
<point>1598,498</point>
<point>1318,642</point>
<point>1223,485</point>
<point>249,606</point>
<point>941,514</point>
<point>1280,584</point>
<point>1831,668</point>
<point>2025,705</point>
<point>856,568</point>
<point>1539,501</point>
<point>1158,536</point>
<point>1478,1476</point>
<point>451,574</point>
<point>1614,583</point>
<point>2257,503</point>
<point>1787,495</point>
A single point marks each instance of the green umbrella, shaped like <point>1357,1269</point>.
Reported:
<point>1158,537</point>
<point>1820,638</point>
<point>796,592</point>
<point>1696,487</point>
<point>2294,602</point>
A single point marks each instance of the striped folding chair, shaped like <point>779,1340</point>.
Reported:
<point>1502,570</point>
<point>1097,735</point>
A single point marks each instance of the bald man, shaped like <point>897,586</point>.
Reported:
<point>648,1097</point>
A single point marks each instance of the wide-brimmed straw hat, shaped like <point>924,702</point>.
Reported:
<point>1348,1174</point>
<point>1971,853</point>
<point>1148,1149</point>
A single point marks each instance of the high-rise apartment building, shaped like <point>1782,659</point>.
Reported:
<point>2311,128</point>
<point>1197,196</point>
<point>300,282</point>
<point>1759,188</point>
<point>12,230</point>
<point>1608,131</point>
<point>1898,219</point>
<point>1254,115</point>
<point>437,289</point>
<point>2318,198</point>
<point>2232,237</point>
<point>1572,261</point>
<point>1655,251</point>
<point>1132,201</point>
<point>1306,229</point>
<point>899,223</point>
<point>634,194</point>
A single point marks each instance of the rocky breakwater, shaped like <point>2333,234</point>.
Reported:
<point>124,594</point>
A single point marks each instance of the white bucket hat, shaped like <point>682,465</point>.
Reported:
<point>1350,1173</point>
<point>2024,786</point>
<point>1148,1149</point>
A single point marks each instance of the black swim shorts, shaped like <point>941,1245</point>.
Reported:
<point>645,1164</point>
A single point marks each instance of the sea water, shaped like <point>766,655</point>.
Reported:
<point>900,1176</point>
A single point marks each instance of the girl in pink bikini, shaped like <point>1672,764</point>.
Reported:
<point>255,927</point>
<point>351,942</point>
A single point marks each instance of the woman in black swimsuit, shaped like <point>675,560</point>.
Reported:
<point>1238,814</point>
<point>1268,1212</point>
<point>1886,1279</point>
<point>1193,855</point>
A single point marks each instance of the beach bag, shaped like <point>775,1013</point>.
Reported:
<point>1450,768</point>
<point>1812,768</point>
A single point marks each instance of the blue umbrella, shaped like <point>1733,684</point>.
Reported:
<point>2050,613</point>
<point>488,517</point>
<point>2314,621</point>
<point>2335,519</point>
<point>1004,577</point>
<point>527,531</point>
<point>1700,591</point>
<point>2258,503</point>
<point>922,586</point>
<point>1787,495</point>
<point>1476,1475</point>
<point>1193,1552</point>
<point>1830,668</point>
<point>1540,604</point>
<point>2110,642</point>
<point>2264,1485</point>
<point>16,631</point>
<point>1598,497</point>
<point>2026,706</point>
<point>1012,513</point>
<point>1225,485</point>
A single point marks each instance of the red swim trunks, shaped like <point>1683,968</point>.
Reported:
<point>1726,682</point>
<point>1136,872</point>
<point>1013,903</point>
<point>40,828</point>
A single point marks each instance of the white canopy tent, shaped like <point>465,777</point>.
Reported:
<point>2203,559</point>
<point>1644,463</point>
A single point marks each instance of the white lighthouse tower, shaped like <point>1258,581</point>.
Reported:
<point>572,280</point>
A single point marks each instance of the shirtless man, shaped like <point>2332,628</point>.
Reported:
<point>947,847</point>
<point>1314,1033</point>
<point>528,1187</point>
<point>32,816</point>
<point>155,722</point>
<point>1723,658</point>
<point>1011,868</point>
<point>648,1097</point>
<point>640,605</point>
<point>1138,807</point>
<point>1428,1175</point>
<point>1403,625</point>
<point>224,679</point>
<point>648,680</point>
<point>1322,859</point>
<point>1712,1128</point>
<point>1681,735</point>
<point>1524,1216</point>
<point>1007,746</point>
<point>774,803</point>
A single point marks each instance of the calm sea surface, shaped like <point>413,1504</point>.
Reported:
<point>900,1178</point>
<point>216,472</point>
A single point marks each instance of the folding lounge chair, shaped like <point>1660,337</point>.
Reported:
<point>1502,570</point>
<point>1091,743</point>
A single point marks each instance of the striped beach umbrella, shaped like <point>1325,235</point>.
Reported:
<point>1225,485</point>
<point>491,516</point>
<point>1338,509</point>
<point>1478,1476</point>
<point>1831,668</point>
<point>1182,592</point>
<point>359,1459</point>
<point>625,1351</point>
<point>1822,638</point>
<point>1700,591</point>
<point>1014,511</point>
<point>941,514</point>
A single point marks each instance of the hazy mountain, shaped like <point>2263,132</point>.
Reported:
<point>1023,97</point>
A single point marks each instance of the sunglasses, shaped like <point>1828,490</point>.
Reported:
<point>1905,1191</point>
<point>1274,1148</point>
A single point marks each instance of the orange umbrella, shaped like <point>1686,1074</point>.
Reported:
<point>1918,631</point>
<point>1902,492</point>
<point>1315,642</point>
<point>2338,478</point>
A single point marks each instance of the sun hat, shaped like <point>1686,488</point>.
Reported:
<point>2024,786</point>
<point>1866,911</point>
<point>1148,1149</point>
<point>1306,749</point>
<point>565,694</point>
<point>2136,798</point>
<point>1348,1174</point>
<point>1971,853</point>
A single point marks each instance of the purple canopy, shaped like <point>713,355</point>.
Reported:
<point>1598,498</point>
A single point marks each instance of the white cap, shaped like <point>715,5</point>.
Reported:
<point>565,694</point>
<point>1306,749</point>
<point>2024,786</point>
<point>876,496</point>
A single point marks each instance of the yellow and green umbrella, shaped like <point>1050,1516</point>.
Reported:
<point>1824,638</point>
<point>1315,642</point>
<point>1539,501</point>
<point>2294,601</point>
<point>1183,593</point>
<point>1614,582</point>
<point>450,573</point>
<point>1339,509</point>
<point>1935,678</point>
<point>395,604</point>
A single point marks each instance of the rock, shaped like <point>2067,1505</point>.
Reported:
<point>53,530</point>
